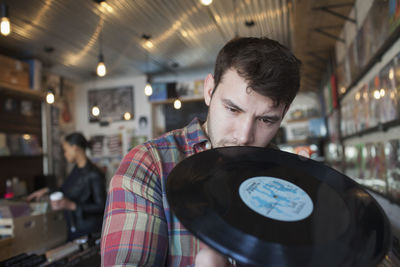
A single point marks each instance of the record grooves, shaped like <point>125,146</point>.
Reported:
<point>265,207</point>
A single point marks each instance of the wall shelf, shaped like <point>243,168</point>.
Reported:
<point>182,99</point>
<point>382,127</point>
<point>21,91</point>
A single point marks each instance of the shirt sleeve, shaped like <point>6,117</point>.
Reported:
<point>134,228</point>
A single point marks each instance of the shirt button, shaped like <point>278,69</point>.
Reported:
<point>208,145</point>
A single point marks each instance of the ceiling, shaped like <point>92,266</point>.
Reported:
<point>186,36</point>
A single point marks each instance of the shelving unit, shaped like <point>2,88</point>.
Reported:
<point>14,121</point>
<point>20,91</point>
<point>183,99</point>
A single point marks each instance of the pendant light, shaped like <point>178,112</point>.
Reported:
<point>5,26</point>
<point>177,104</point>
<point>95,111</point>
<point>206,2</point>
<point>50,98</point>
<point>101,69</point>
<point>148,90</point>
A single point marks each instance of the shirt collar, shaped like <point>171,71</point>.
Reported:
<point>195,133</point>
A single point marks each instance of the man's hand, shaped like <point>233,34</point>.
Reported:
<point>208,257</point>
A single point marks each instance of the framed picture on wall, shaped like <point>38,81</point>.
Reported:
<point>111,104</point>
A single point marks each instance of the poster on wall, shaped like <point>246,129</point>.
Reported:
<point>394,14</point>
<point>379,14</point>
<point>388,93</point>
<point>113,103</point>
<point>353,61</point>
<point>392,151</point>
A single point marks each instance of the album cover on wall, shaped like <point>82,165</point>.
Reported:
<point>388,94</point>
<point>364,107</point>
<point>394,14</point>
<point>365,42</point>
<point>392,153</point>
<point>353,61</point>
<point>396,71</point>
<point>380,168</point>
<point>361,161</point>
<point>350,152</point>
<point>379,15</point>
<point>373,90</point>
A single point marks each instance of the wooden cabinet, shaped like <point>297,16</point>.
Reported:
<point>20,121</point>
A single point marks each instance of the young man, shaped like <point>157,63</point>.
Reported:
<point>254,82</point>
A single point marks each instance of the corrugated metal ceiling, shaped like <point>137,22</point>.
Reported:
<point>185,34</point>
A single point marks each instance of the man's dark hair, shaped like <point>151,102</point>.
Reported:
<point>268,67</point>
<point>77,139</point>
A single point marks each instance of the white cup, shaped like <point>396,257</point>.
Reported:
<point>56,196</point>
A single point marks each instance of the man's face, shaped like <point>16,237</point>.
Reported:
<point>237,115</point>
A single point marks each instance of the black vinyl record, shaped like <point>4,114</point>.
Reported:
<point>265,207</point>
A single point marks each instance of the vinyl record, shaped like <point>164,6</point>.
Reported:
<point>265,207</point>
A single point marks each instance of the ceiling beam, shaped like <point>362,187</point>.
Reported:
<point>328,9</point>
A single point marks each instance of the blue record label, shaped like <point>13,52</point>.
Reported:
<point>276,198</point>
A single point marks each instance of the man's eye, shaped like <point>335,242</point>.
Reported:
<point>232,109</point>
<point>266,121</point>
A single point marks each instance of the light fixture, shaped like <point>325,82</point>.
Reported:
<point>50,97</point>
<point>206,2</point>
<point>148,90</point>
<point>127,116</point>
<point>101,69</point>
<point>177,104</point>
<point>377,94</point>
<point>5,25</point>
<point>95,111</point>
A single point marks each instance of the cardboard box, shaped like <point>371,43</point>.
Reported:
<point>14,72</point>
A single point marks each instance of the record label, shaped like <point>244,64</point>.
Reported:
<point>276,198</point>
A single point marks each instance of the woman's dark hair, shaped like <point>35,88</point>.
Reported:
<point>268,67</point>
<point>77,139</point>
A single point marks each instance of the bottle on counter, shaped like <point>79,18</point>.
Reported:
<point>9,189</point>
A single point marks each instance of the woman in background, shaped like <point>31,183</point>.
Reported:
<point>83,190</point>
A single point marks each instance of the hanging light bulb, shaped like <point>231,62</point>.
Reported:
<point>206,2</point>
<point>177,104</point>
<point>148,90</point>
<point>101,67</point>
<point>5,27</point>
<point>127,116</point>
<point>50,97</point>
<point>95,111</point>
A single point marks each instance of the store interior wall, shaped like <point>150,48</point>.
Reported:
<point>126,129</point>
<point>349,34</point>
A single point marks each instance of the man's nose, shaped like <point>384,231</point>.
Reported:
<point>245,132</point>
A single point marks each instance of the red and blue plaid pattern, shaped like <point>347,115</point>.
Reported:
<point>138,227</point>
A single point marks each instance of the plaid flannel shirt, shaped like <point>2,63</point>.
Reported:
<point>139,228</point>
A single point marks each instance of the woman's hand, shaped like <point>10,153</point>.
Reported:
<point>63,204</point>
<point>208,257</point>
<point>37,194</point>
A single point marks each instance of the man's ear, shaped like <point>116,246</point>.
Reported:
<point>208,88</point>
